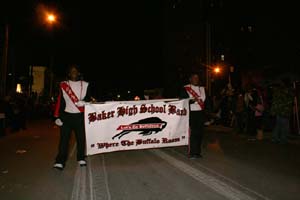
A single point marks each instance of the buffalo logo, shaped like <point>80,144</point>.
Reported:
<point>145,127</point>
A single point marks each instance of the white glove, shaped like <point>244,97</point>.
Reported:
<point>80,103</point>
<point>58,122</point>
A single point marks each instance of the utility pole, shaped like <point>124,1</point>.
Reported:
<point>51,19</point>
<point>30,79</point>
<point>208,57</point>
<point>4,63</point>
<point>51,74</point>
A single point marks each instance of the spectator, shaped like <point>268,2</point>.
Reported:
<point>282,106</point>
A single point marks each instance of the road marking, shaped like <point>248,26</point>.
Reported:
<point>91,184</point>
<point>106,178</point>
<point>226,178</point>
<point>97,186</point>
<point>76,185</point>
<point>79,186</point>
<point>213,183</point>
<point>98,181</point>
<point>83,188</point>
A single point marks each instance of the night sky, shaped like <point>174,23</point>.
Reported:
<point>121,44</point>
<point>117,44</point>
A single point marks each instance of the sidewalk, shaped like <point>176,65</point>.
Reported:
<point>292,138</point>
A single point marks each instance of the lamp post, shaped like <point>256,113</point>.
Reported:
<point>208,57</point>
<point>210,70</point>
<point>4,63</point>
<point>51,20</point>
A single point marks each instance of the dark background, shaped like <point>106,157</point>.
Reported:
<point>144,44</point>
<point>117,44</point>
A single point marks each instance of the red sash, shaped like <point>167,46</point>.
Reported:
<point>71,94</point>
<point>196,96</point>
<point>57,105</point>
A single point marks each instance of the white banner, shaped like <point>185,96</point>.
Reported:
<point>119,126</point>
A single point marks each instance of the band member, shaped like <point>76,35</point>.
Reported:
<point>69,109</point>
<point>197,95</point>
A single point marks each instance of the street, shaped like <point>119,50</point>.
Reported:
<point>232,168</point>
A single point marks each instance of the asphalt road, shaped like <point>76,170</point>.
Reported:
<point>232,168</point>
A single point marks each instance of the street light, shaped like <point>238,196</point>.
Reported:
<point>210,70</point>
<point>217,70</point>
<point>47,14</point>
<point>51,18</point>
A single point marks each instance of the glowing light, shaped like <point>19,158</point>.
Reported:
<point>47,15</point>
<point>19,88</point>
<point>217,70</point>
<point>51,18</point>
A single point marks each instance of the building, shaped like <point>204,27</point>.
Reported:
<point>38,79</point>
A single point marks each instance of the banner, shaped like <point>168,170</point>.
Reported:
<point>119,126</point>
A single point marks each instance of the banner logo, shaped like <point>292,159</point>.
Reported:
<point>146,127</point>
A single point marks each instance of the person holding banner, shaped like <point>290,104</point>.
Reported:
<point>197,95</point>
<point>69,114</point>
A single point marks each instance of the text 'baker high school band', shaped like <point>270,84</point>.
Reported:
<point>133,110</point>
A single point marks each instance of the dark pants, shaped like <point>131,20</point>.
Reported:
<point>196,126</point>
<point>251,126</point>
<point>281,129</point>
<point>71,122</point>
<point>240,122</point>
<point>259,123</point>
